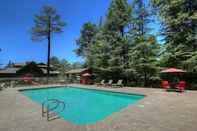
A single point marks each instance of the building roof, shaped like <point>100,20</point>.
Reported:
<point>76,71</point>
<point>9,70</point>
<point>51,72</point>
<point>18,66</point>
<point>41,65</point>
<point>44,66</point>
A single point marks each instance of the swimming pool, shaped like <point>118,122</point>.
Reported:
<point>84,106</point>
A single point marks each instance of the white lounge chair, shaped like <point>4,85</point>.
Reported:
<point>118,84</point>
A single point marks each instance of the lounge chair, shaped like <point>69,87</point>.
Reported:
<point>118,84</point>
<point>101,83</point>
<point>2,85</point>
<point>109,83</point>
<point>62,81</point>
<point>13,84</point>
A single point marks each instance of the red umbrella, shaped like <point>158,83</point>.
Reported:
<point>173,70</point>
<point>176,72</point>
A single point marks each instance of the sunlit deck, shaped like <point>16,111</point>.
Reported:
<point>158,111</point>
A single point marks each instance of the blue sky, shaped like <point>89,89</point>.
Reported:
<point>17,19</point>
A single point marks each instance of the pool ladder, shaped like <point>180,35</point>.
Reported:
<point>48,110</point>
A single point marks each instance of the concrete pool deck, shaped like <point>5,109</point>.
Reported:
<point>158,111</point>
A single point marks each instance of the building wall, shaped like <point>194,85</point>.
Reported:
<point>86,79</point>
<point>79,78</point>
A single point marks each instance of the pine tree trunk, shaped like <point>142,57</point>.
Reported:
<point>145,79</point>
<point>49,48</point>
<point>124,50</point>
<point>48,56</point>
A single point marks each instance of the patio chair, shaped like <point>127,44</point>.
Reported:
<point>2,85</point>
<point>62,81</point>
<point>181,86</point>
<point>165,84</point>
<point>101,83</point>
<point>118,84</point>
<point>13,84</point>
<point>109,83</point>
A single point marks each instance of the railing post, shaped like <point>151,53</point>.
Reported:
<point>47,112</point>
<point>43,109</point>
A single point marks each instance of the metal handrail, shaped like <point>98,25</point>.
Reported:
<point>49,109</point>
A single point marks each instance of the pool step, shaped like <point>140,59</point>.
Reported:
<point>49,110</point>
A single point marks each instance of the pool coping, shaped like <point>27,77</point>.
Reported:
<point>40,88</point>
<point>113,91</point>
<point>85,88</point>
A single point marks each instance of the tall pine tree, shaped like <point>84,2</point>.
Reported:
<point>179,20</point>
<point>84,42</point>
<point>106,51</point>
<point>112,38</point>
<point>47,23</point>
<point>144,47</point>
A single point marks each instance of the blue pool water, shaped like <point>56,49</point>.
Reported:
<point>84,106</point>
